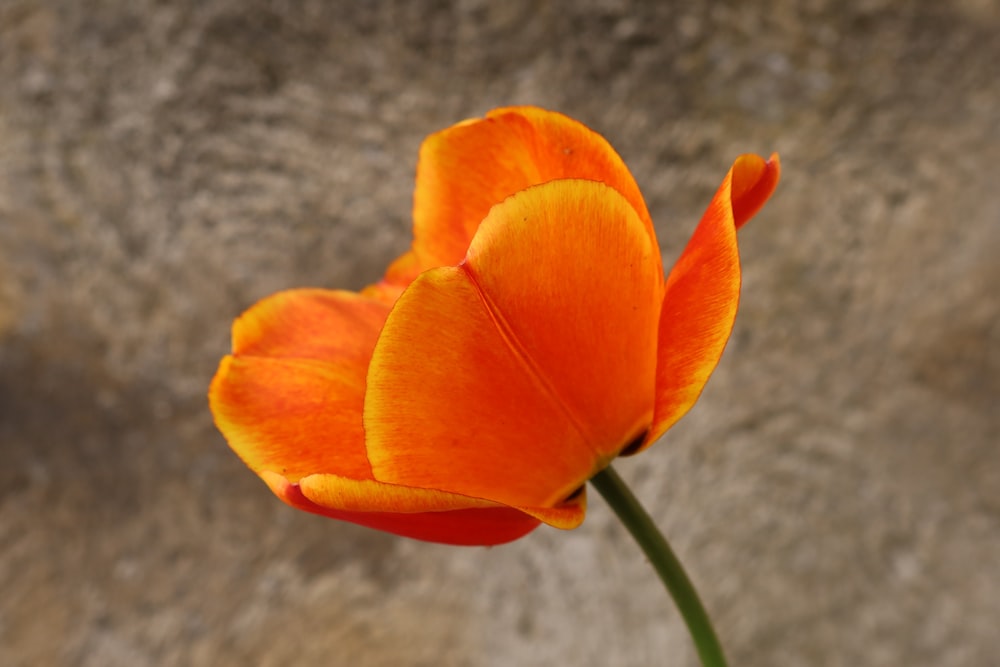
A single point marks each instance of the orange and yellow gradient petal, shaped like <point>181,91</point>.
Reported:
<point>465,170</point>
<point>526,339</point>
<point>520,373</point>
<point>703,292</point>
<point>289,400</point>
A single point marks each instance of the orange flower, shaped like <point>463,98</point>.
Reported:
<point>526,339</point>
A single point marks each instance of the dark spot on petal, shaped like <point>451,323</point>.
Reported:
<point>632,447</point>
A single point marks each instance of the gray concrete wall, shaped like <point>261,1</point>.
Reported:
<point>835,494</point>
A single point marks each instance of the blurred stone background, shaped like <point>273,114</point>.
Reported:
<point>835,494</point>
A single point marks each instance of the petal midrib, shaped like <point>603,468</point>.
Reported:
<point>533,369</point>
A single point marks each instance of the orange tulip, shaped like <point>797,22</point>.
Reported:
<point>525,340</point>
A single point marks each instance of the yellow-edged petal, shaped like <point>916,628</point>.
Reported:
<point>467,169</point>
<point>518,374</point>
<point>702,292</point>
<point>311,324</point>
<point>418,513</point>
<point>290,398</point>
<point>294,417</point>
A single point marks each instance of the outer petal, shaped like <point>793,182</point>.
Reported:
<point>465,170</point>
<point>311,324</point>
<point>753,183</point>
<point>290,398</point>
<point>702,291</point>
<point>423,514</point>
<point>294,417</point>
<point>519,374</point>
<point>297,423</point>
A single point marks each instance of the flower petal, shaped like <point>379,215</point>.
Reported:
<point>465,170</point>
<point>294,417</point>
<point>311,324</point>
<point>702,292</point>
<point>520,373</point>
<point>290,398</point>
<point>753,183</point>
<point>423,514</point>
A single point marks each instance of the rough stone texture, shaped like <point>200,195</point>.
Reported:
<point>164,164</point>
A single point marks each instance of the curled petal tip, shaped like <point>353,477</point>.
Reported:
<point>702,292</point>
<point>754,181</point>
<point>567,515</point>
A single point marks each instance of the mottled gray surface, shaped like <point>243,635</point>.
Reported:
<point>164,164</point>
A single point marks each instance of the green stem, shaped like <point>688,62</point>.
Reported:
<point>637,520</point>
